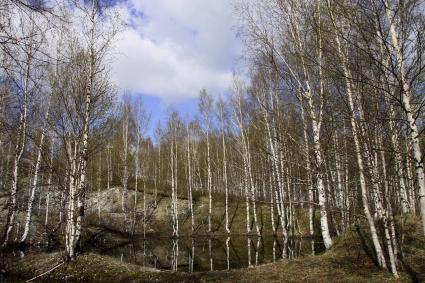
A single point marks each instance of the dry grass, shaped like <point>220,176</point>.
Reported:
<point>345,262</point>
<point>88,267</point>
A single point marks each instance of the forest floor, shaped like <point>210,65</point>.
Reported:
<point>346,261</point>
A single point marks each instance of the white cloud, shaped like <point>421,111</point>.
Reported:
<point>176,47</point>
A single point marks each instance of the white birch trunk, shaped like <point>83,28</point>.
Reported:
<point>78,187</point>
<point>372,227</point>
<point>173,216</point>
<point>252,186</point>
<point>125,168</point>
<point>389,221</point>
<point>316,119</point>
<point>35,178</point>
<point>19,150</point>
<point>49,182</point>
<point>136,188</point>
<point>308,172</point>
<point>209,179</point>
<point>176,212</point>
<point>406,97</point>
<point>70,224</point>
<point>226,189</point>
<point>189,172</point>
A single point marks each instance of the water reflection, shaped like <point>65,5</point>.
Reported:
<point>175,257</point>
<point>208,254</point>
<point>228,253</point>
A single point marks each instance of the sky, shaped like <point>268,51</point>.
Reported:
<point>172,49</point>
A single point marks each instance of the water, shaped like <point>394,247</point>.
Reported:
<point>208,254</point>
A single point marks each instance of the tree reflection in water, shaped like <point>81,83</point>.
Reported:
<point>219,253</point>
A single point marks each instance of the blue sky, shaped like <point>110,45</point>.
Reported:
<point>159,110</point>
<point>174,48</point>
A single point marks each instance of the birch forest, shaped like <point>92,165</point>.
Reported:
<point>309,168</point>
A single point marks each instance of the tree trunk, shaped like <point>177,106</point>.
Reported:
<point>406,105</point>
<point>35,178</point>
<point>364,192</point>
<point>19,150</point>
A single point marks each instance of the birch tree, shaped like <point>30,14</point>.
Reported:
<point>355,133</point>
<point>205,107</point>
<point>26,87</point>
<point>399,64</point>
<point>220,107</point>
<point>36,174</point>
<point>84,99</point>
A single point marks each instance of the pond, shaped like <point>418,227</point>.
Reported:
<point>209,254</point>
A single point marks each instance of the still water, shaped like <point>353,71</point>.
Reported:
<point>208,254</point>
